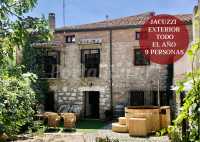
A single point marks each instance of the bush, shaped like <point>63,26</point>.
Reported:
<point>2,129</point>
<point>174,134</point>
<point>17,102</point>
<point>37,126</point>
<point>161,132</point>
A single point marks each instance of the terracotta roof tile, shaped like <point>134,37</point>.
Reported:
<point>136,20</point>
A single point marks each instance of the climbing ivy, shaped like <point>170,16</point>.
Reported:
<point>32,55</point>
<point>190,110</point>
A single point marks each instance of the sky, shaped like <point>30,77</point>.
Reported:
<point>87,11</point>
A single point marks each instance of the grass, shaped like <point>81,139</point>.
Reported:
<point>85,126</point>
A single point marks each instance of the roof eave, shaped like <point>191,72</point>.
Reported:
<point>104,28</point>
<point>98,28</point>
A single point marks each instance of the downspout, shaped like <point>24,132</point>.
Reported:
<point>169,82</point>
<point>111,79</point>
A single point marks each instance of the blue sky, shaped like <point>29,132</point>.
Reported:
<point>87,11</point>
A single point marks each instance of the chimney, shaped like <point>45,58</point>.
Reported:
<point>107,16</point>
<point>152,13</point>
<point>52,21</point>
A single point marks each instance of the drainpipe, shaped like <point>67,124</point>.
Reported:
<point>52,21</point>
<point>170,77</point>
<point>111,80</point>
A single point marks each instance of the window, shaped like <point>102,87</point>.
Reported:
<point>146,98</point>
<point>70,39</point>
<point>163,98</point>
<point>90,60</point>
<point>139,58</point>
<point>49,64</point>
<point>139,36</point>
<point>136,98</point>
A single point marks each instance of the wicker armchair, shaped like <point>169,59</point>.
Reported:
<point>69,120</point>
<point>53,120</point>
<point>46,114</point>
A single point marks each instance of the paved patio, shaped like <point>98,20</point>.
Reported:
<point>90,137</point>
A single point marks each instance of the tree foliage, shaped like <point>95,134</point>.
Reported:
<point>18,87</point>
<point>190,110</point>
<point>17,101</point>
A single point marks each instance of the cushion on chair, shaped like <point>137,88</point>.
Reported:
<point>116,127</point>
<point>122,120</point>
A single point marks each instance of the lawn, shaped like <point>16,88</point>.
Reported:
<point>89,125</point>
<point>86,125</point>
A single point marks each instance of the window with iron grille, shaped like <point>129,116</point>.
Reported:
<point>49,62</point>
<point>70,39</point>
<point>90,60</point>
<point>137,98</point>
<point>142,98</point>
<point>163,98</point>
<point>139,58</point>
<point>139,36</point>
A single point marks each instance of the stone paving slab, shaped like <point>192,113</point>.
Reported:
<point>90,137</point>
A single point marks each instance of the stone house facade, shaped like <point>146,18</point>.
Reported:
<point>97,67</point>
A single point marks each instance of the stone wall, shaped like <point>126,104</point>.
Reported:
<point>72,99</point>
<point>70,87</point>
<point>126,76</point>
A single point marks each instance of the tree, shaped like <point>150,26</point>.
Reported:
<point>190,111</point>
<point>18,87</point>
